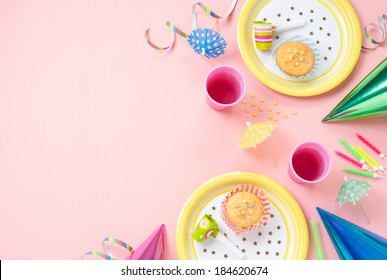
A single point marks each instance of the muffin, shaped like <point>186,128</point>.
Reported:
<point>245,208</point>
<point>295,58</point>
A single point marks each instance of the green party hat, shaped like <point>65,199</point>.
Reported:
<point>367,100</point>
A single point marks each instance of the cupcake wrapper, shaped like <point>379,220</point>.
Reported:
<point>310,44</point>
<point>265,214</point>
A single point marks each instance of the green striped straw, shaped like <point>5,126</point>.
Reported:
<point>315,232</point>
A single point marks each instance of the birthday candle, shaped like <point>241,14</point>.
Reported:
<point>351,160</point>
<point>351,150</point>
<point>362,173</point>
<point>374,162</point>
<point>367,160</point>
<point>376,150</point>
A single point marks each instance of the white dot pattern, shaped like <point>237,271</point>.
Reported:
<point>256,134</point>
<point>207,42</point>
<point>352,191</point>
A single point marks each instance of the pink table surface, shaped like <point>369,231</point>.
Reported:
<point>102,136</point>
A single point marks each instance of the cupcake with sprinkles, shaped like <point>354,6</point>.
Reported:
<point>295,58</point>
<point>245,208</point>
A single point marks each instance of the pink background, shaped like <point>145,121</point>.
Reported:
<point>102,136</point>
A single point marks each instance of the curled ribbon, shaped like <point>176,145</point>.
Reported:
<point>107,255</point>
<point>175,29</point>
<point>210,12</point>
<point>381,19</point>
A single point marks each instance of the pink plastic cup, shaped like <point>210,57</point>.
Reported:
<point>309,163</point>
<point>225,87</point>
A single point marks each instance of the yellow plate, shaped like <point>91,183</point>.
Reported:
<point>285,236</point>
<point>332,27</point>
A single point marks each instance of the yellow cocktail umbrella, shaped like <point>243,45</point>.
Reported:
<point>256,134</point>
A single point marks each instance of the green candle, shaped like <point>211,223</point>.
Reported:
<point>361,173</point>
<point>351,150</point>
